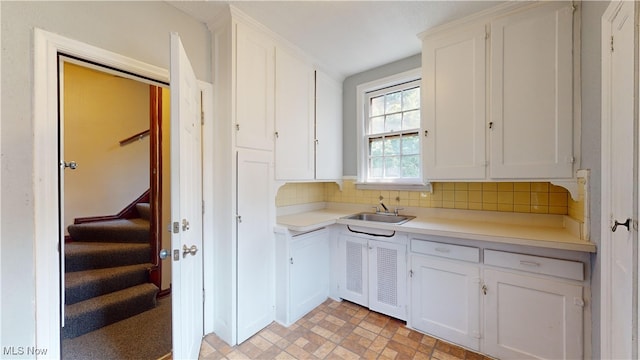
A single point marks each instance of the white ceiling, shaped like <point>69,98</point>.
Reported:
<point>346,37</point>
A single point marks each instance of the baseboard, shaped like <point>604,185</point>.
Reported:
<point>163,293</point>
<point>128,212</point>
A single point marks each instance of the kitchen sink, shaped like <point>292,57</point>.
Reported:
<point>389,218</point>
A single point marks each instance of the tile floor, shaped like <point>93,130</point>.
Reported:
<point>337,330</point>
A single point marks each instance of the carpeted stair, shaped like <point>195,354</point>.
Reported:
<point>107,273</point>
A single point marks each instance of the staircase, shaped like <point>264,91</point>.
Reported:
<point>107,273</point>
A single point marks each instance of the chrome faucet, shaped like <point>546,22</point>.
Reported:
<point>384,207</point>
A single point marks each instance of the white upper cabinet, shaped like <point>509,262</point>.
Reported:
<point>453,73</point>
<point>328,140</point>
<point>498,99</point>
<point>295,131</point>
<point>532,94</point>
<point>308,121</point>
<point>254,74</point>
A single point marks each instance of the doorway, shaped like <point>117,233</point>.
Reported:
<point>47,229</point>
<point>115,194</point>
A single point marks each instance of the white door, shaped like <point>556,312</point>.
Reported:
<point>530,317</point>
<point>256,243</point>
<point>186,206</point>
<point>309,278</point>
<point>328,128</point>
<point>295,84</point>
<point>445,299</point>
<point>453,80</point>
<point>532,93</point>
<point>254,95</point>
<point>388,278</point>
<point>353,281</point>
<point>618,181</point>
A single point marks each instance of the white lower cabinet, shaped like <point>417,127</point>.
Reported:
<point>503,304</point>
<point>302,273</point>
<point>373,273</point>
<point>445,299</point>
<point>531,317</point>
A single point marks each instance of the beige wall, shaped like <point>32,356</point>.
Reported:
<point>139,30</point>
<point>101,109</point>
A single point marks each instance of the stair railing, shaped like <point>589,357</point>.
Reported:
<point>135,137</point>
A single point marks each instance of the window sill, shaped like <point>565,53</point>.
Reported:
<point>394,186</point>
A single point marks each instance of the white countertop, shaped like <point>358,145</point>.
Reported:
<point>546,231</point>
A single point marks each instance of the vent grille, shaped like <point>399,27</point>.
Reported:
<point>354,267</point>
<point>387,276</point>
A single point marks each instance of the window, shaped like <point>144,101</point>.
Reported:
<point>389,138</point>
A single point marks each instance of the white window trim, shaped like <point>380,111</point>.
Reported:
<point>361,95</point>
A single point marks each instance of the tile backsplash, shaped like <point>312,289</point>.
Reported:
<point>522,197</point>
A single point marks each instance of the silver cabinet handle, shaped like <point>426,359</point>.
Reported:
<point>192,250</point>
<point>529,263</point>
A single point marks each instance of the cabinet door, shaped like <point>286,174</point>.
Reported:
<point>295,85</point>
<point>310,261</point>
<point>388,278</point>
<point>530,317</point>
<point>352,278</point>
<point>532,93</point>
<point>445,299</point>
<point>328,128</point>
<point>255,243</point>
<point>254,93</point>
<point>454,98</point>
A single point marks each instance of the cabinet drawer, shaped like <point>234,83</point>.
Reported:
<point>450,251</point>
<point>535,264</point>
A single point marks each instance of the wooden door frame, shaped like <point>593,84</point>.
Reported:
<point>155,185</point>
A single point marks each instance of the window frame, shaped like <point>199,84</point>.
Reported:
<point>363,181</point>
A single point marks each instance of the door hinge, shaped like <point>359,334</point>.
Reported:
<point>202,206</point>
<point>484,289</point>
<point>237,127</point>
<point>202,117</point>
<point>203,296</point>
<point>611,43</point>
<point>410,273</point>
<point>486,35</point>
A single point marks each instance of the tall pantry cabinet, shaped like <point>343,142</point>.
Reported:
<point>261,81</point>
<point>244,211</point>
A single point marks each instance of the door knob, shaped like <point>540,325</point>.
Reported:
<point>186,250</point>
<point>163,254</point>
<point>625,224</point>
<point>71,165</point>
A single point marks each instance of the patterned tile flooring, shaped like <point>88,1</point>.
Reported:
<point>337,330</point>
